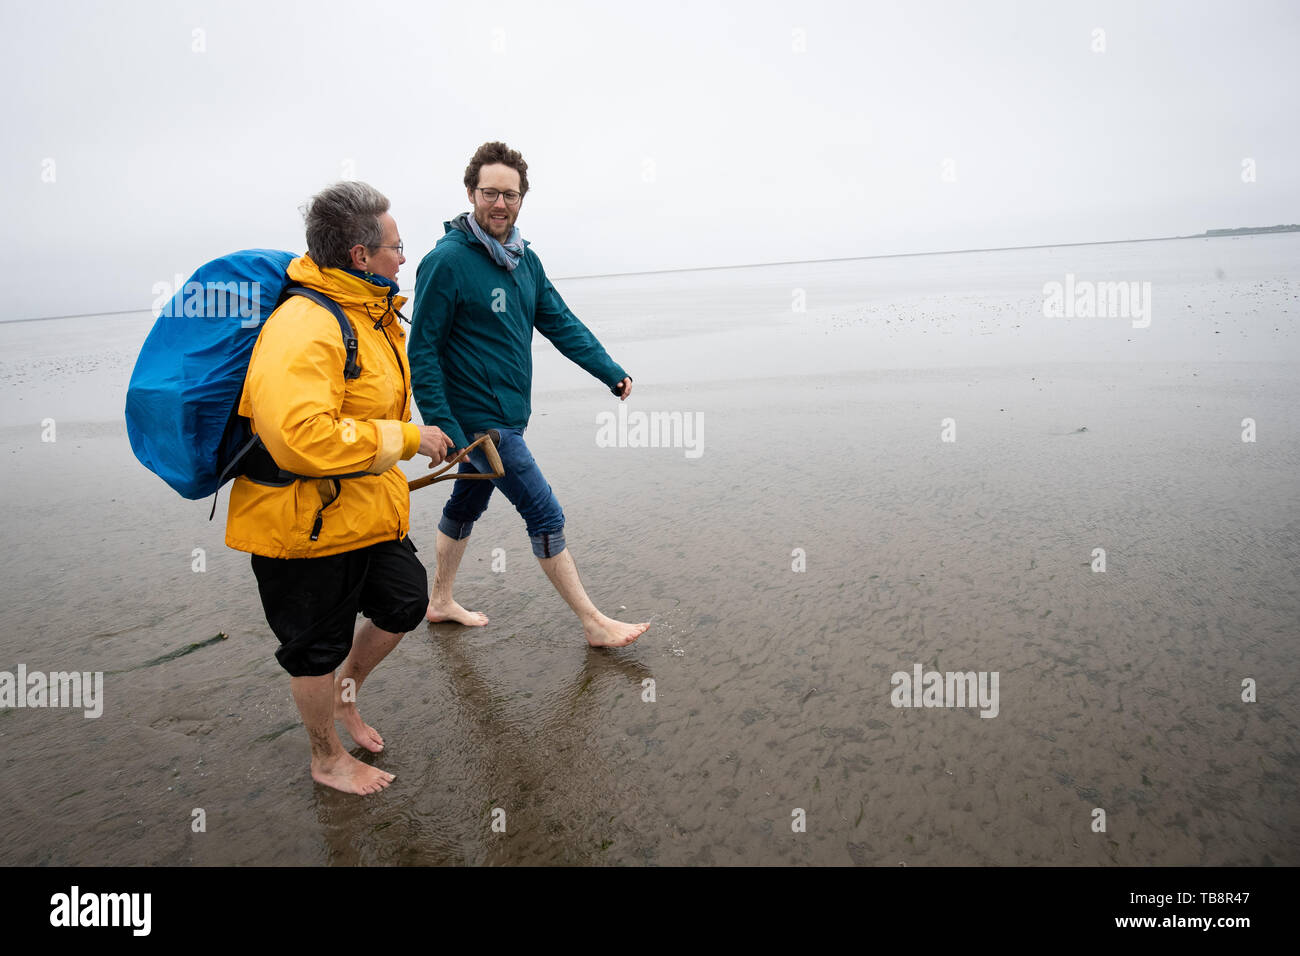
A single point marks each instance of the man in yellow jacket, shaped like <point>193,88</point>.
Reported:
<point>327,524</point>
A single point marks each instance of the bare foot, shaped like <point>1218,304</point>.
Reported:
<point>362,733</point>
<point>345,772</point>
<point>604,631</point>
<point>440,611</point>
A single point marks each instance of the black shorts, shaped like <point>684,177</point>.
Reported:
<point>312,603</point>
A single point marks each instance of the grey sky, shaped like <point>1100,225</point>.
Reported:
<point>658,135</point>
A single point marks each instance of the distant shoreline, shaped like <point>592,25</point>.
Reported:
<point>1208,234</point>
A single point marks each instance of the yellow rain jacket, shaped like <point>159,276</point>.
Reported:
<point>316,423</point>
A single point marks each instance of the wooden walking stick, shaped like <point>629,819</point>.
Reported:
<point>489,442</point>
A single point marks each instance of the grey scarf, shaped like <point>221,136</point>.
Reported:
<point>506,255</point>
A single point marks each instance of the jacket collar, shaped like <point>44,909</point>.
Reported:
<point>344,287</point>
<point>372,279</point>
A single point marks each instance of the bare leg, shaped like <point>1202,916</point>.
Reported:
<point>331,765</point>
<point>601,631</point>
<point>442,607</point>
<point>369,647</point>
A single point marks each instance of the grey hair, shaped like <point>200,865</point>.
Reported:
<point>340,217</point>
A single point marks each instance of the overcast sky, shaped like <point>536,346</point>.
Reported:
<point>142,138</point>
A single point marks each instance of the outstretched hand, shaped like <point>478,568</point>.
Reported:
<point>623,389</point>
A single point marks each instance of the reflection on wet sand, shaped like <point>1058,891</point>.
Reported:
<point>523,783</point>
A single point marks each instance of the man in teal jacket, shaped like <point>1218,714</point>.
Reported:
<point>478,296</point>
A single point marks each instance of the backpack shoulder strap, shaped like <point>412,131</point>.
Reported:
<point>350,369</point>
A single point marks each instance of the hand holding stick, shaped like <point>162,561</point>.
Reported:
<point>488,440</point>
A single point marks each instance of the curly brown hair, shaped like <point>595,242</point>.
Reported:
<point>490,153</point>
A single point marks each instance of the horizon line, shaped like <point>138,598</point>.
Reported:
<point>762,265</point>
<point>887,255</point>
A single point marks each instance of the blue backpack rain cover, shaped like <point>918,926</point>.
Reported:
<point>191,369</point>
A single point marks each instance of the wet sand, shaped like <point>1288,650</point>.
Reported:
<point>1118,690</point>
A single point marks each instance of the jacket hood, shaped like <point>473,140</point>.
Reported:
<point>342,287</point>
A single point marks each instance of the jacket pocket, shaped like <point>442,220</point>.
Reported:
<point>328,492</point>
<point>313,503</point>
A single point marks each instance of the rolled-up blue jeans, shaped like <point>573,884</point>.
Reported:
<point>524,486</point>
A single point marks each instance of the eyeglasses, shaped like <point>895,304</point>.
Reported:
<point>399,247</point>
<point>490,195</point>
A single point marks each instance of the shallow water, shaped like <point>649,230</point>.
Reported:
<point>1118,690</point>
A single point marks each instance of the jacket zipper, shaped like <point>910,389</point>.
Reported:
<point>406,386</point>
<point>320,512</point>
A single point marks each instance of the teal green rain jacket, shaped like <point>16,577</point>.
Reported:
<point>470,347</point>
